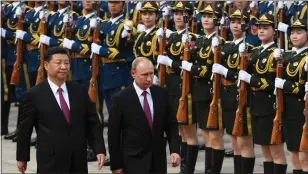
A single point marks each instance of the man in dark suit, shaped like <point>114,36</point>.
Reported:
<point>64,118</point>
<point>140,115</point>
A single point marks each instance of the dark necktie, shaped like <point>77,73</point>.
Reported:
<point>146,108</point>
<point>64,106</point>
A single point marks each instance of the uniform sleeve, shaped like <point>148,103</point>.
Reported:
<point>32,39</point>
<point>9,35</point>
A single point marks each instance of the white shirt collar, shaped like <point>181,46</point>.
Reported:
<point>180,31</point>
<point>269,3</point>
<point>113,20</point>
<point>15,4</point>
<point>300,2</point>
<point>301,49</point>
<point>61,11</point>
<point>238,40</point>
<point>267,45</point>
<point>55,88</point>
<point>37,9</point>
<point>147,31</point>
<point>89,15</point>
<point>139,90</point>
<point>210,35</point>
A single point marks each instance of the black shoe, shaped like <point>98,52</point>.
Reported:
<point>229,153</point>
<point>90,155</point>
<point>33,142</point>
<point>14,139</point>
<point>107,161</point>
<point>202,146</point>
<point>10,136</point>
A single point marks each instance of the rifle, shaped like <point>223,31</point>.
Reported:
<point>223,29</point>
<point>162,51</point>
<point>128,22</point>
<point>182,112</point>
<point>15,78</point>
<point>276,137</point>
<point>93,89</point>
<point>255,9</point>
<point>194,23</point>
<point>215,106</point>
<point>242,98</point>
<point>43,48</point>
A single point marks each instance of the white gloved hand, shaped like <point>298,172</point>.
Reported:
<point>186,65</point>
<point>277,53</point>
<point>160,32</point>
<point>228,2</point>
<point>140,28</point>
<point>280,4</point>
<point>68,43</point>
<point>66,18</point>
<point>306,64</point>
<point>215,43</point>
<point>93,23</point>
<point>165,11</point>
<point>44,13</point>
<point>241,48</point>
<point>222,21</point>
<point>185,37</point>
<point>306,87</point>
<point>244,76</point>
<point>155,80</point>
<point>279,83</point>
<point>138,6</point>
<point>168,33</point>
<point>165,60</point>
<point>125,31</point>
<point>283,27</point>
<point>45,39</point>
<point>219,69</point>
<point>3,32</point>
<point>252,4</point>
<point>20,34</point>
<point>95,48</point>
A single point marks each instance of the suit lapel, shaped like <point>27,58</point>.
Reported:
<point>72,98</point>
<point>155,107</point>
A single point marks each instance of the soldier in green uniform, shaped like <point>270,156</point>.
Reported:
<point>260,75</point>
<point>292,85</point>
<point>229,67</point>
<point>173,61</point>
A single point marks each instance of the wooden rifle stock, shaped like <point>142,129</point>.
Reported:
<point>43,47</point>
<point>255,10</point>
<point>194,25</point>
<point>281,34</point>
<point>238,127</point>
<point>93,88</point>
<point>182,112</point>
<point>162,68</point>
<point>212,121</point>
<point>15,78</point>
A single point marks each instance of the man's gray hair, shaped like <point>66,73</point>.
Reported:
<point>138,60</point>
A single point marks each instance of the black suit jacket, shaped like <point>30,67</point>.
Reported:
<point>61,147</point>
<point>133,145</point>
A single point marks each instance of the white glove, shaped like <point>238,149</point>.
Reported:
<point>18,11</point>
<point>306,87</point>
<point>244,76</point>
<point>95,48</point>
<point>45,39</point>
<point>125,31</point>
<point>93,23</point>
<point>283,27</point>
<point>228,2</point>
<point>20,34</point>
<point>222,20</point>
<point>165,60</point>
<point>186,65</point>
<point>277,53</point>
<point>219,69</point>
<point>3,32</point>
<point>185,37</point>
<point>215,43</point>
<point>279,83</point>
<point>168,33</point>
<point>138,6</point>
<point>67,18</point>
<point>252,4</point>
<point>241,48</point>
<point>306,64</point>
<point>165,11</point>
<point>140,28</point>
<point>155,80</point>
<point>160,32</point>
<point>68,43</point>
<point>44,13</point>
<point>280,4</point>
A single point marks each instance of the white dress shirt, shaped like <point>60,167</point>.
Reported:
<point>141,97</point>
<point>267,45</point>
<point>61,11</point>
<point>113,20</point>
<point>55,92</point>
<point>37,9</point>
<point>147,31</point>
<point>300,50</point>
<point>89,15</point>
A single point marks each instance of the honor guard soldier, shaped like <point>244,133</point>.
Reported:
<point>260,74</point>
<point>116,57</point>
<point>56,26</point>
<point>292,85</point>
<point>229,67</point>
<point>173,62</point>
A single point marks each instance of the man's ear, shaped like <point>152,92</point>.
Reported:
<point>133,73</point>
<point>46,65</point>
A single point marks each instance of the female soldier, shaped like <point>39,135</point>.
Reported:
<point>262,66</point>
<point>293,89</point>
<point>230,62</point>
<point>175,50</point>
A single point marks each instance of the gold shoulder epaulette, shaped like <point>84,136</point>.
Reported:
<point>271,49</point>
<point>255,48</point>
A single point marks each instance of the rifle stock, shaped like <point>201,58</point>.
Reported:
<point>40,72</point>
<point>162,68</point>
<point>15,78</point>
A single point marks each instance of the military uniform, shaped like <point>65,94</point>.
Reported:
<point>296,11</point>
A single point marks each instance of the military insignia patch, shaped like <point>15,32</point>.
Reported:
<point>254,30</point>
<point>208,61</point>
<point>112,32</point>
<point>295,63</point>
<point>264,60</point>
<point>178,44</point>
<point>149,43</point>
<point>85,27</point>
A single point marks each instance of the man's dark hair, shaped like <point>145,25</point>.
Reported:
<point>54,50</point>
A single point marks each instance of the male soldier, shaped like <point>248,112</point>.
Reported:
<point>116,57</point>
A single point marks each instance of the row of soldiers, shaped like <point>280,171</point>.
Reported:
<point>103,39</point>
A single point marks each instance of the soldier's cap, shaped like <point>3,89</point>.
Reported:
<point>183,5</point>
<point>209,10</point>
<point>300,23</point>
<point>266,19</point>
<point>236,14</point>
<point>149,6</point>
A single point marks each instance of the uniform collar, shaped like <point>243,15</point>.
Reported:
<point>210,35</point>
<point>15,4</point>
<point>113,20</point>
<point>63,10</point>
<point>180,31</point>
<point>89,15</point>
<point>238,40</point>
<point>147,31</point>
<point>267,45</point>
<point>39,8</point>
<point>301,49</point>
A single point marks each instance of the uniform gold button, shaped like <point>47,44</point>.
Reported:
<point>299,100</point>
<point>208,82</point>
<point>118,67</point>
<point>269,96</point>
